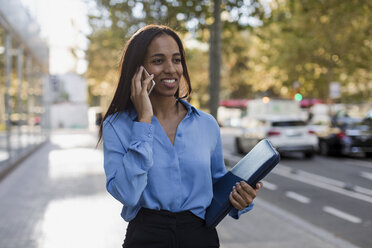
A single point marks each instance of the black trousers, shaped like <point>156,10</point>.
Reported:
<point>164,229</point>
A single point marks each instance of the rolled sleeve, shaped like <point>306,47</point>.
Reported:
<point>142,132</point>
<point>141,144</point>
<point>235,213</point>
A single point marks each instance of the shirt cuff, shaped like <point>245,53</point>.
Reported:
<point>142,131</point>
<point>235,213</point>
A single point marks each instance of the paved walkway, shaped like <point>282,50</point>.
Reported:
<point>57,199</point>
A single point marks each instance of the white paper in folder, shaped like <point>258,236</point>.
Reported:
<point>258,156</point>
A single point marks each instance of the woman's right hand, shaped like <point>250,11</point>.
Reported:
<point>139,96</point>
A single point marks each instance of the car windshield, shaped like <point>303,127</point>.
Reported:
<point>288,123</point>
<point>362,125</point>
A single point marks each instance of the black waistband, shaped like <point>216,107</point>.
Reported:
<point>166,212</point>
<point>166,217</point>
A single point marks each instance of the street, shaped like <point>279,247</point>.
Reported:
<point>57,198</point>
<point>332,193</point>
<point>296,72</point>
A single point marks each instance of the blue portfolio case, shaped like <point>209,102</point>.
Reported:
<point>252,168</point>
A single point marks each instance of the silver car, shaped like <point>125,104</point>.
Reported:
<point>287,134</point>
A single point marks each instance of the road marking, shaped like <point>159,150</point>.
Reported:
<point>300,223</point>
<point>342,214</point>
<point>282,171</point>
<point>270,186</point>
<point>366,175</point>
<point>327,180</point>
<point>361,163</point>
<point>297,197</point>
<point>358,192</point>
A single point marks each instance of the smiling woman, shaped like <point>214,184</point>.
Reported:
<point>162,155</point>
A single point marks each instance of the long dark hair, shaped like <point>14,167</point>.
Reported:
<point>133,57</point>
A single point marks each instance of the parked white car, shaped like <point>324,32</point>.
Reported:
<point>287,134</point>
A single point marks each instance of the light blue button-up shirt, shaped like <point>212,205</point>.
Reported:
<point>144,169</point>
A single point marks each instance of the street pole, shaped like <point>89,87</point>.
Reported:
<point>215,59</point>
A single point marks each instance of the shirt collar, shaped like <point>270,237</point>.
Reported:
<point>190,109</point>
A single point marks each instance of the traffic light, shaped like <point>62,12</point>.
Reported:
<point>298,97</point>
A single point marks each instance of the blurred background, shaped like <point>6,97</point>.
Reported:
<point>296,72</point>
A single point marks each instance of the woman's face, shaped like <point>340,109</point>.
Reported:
<point>163,59</point>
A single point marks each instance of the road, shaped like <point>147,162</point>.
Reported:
<point>57,198</point>
<point>332,193</point>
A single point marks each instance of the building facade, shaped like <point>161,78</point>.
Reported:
<point>69,107</point>
<point>24,77</point>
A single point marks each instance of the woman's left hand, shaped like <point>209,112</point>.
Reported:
<point>243,194</point>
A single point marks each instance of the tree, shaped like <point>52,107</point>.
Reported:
<point>194,17</point>
<point>317,42</point>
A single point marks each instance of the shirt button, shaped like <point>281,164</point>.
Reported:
<point>149,135</point>
<point>179,135</point>
<point>150,128</point>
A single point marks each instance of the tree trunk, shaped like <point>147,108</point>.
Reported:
<point>215,59</point>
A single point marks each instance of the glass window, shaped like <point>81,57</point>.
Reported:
<point>3,144</point>
<point>25,100</point>
<point>21,96</point>
<point>35,110</point>
<point>13,99</point>
<point>23,104</point>
<point>39,111</point>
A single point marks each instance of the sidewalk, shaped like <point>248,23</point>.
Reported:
<point>57,198</point>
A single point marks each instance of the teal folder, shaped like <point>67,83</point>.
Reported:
<point>252,168</point>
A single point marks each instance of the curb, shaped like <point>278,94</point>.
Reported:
<point>11,164</point>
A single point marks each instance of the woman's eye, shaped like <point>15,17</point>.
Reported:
<point>177,60</point>
<point>157,61</point>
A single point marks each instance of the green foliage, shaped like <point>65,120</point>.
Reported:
<point>317,42</point>
<point>117,20</point>
<point>311,41</point>
<point>198,66</point>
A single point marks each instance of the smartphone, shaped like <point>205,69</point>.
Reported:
<point>151,86</point>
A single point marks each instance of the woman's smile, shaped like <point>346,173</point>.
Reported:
<point>169,83</point>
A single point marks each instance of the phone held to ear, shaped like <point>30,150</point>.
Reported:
<point>151,86</point>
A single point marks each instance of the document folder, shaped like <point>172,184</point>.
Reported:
<point>252,168</point>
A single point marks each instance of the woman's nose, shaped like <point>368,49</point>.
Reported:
<point>169,67</point>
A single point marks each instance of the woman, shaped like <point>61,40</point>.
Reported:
<point>161,155</point>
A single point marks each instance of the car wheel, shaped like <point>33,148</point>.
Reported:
<point>369,154</point>
<point>309,155</point>
<point>323,148</point>
<point>238,146</point>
